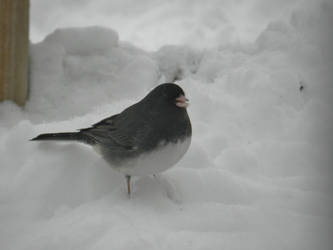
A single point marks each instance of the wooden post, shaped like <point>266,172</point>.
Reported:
<point>14,44</point>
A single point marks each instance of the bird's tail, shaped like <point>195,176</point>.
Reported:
<point>69,136</point>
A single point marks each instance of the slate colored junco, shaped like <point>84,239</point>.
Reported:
<point>146,138</point>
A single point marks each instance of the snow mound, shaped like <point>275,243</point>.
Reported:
<point>79,40</point>
<point>85,68</point>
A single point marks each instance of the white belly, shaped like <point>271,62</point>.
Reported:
<point>156,161</point>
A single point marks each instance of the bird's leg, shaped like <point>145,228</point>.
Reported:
<point>128,180</point>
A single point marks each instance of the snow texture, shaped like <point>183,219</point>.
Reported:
<point>258,172</point>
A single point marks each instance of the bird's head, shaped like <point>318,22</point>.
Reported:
<point>168,94</point>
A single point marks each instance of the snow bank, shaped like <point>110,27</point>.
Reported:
<point>257,175</point>
<point>84,68</point>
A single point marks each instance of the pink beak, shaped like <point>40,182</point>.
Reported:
<point>182,101</point>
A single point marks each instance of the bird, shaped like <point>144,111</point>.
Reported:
<point>144,139</point>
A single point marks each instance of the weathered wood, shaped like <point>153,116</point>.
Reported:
<point>14,44</point>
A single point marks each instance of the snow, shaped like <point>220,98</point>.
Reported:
<point>257,174</point>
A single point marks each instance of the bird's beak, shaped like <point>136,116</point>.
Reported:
<point>182,102</point>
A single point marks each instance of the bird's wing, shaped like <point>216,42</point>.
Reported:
<point>107,121</point>
<point>116,132</point>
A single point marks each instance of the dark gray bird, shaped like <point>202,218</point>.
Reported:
<point>146,138</point>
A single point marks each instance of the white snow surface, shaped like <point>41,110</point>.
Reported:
<point>257,174</point>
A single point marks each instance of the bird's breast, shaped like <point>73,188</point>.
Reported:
<point>166,155</point>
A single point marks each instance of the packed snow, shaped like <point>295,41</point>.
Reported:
<point>257,174</point>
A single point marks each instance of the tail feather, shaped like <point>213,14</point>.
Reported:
<point>70,136</point>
